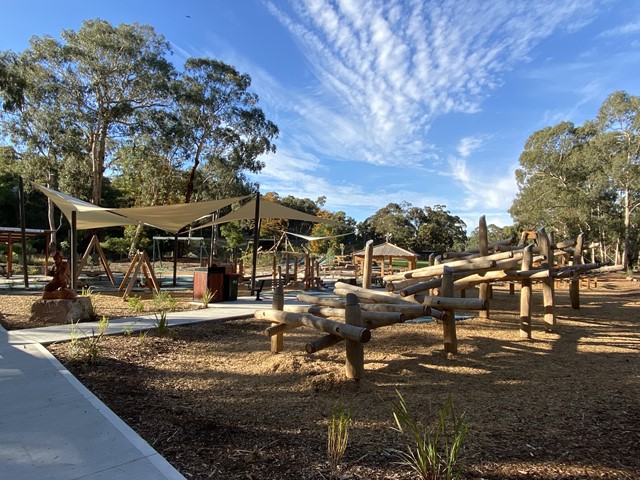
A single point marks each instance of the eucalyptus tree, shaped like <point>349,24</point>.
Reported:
<point>8,187</point>
<point>11,83</point>
<point>338,235</point>
<point>147,175</point>
<point>92,84</point>
<point>305,205</point>
<point>494,234</point>
<point>618,147</point>
<point>559,181</point>
<point>35,125</point>
<point>223,129</point>
<point>440,230</point>
<point>391,223</point>
<point>585,178</point>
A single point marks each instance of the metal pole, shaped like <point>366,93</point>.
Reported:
<point>175,260</point>
<point>23,232</point>
<point>74,238</point>
<point>256,239</point>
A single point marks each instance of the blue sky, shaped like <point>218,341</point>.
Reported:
<point>378,101</point>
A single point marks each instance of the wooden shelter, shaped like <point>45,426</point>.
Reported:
<point>385,253</point>
<point>10,235</point>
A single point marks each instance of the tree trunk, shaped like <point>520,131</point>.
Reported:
<point>627,230</point>
<point>136,238</point>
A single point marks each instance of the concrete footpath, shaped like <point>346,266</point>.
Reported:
<point>52,427</point>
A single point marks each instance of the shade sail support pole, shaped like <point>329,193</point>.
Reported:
<point>256,239</point>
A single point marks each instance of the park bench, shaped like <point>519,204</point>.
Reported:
<point>261,283</point>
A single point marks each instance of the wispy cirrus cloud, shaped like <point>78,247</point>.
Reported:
<point>468,145</point>
<point>394,66</point>
<point>630,28</point>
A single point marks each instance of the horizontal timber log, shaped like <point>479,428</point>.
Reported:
<point>434,270</point>
<point>323,301</point>
<point>321,343</point>
<point>400,284</point>
<point>607,269</point>
<point>409,309</point>
<point>327,341</point>
<point>478,266</point>
<point>349,332</point>
<point>366,315</point>
<point>420,287</point>
<point>449,303</point>
<point>278,328</point>
<point>366,294</point>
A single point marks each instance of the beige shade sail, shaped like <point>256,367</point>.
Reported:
<point>268,210</point>
<point>172,218</point>
<point>315,239</point>
<point>88,215</point>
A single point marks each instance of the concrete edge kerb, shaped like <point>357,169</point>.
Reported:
<point>168,470</point>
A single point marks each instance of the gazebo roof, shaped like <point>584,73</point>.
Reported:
<point>388,250</point>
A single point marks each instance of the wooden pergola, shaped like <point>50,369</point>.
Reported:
<point>10,235</point>
<point>385,253</point>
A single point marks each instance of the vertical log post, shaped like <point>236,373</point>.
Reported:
<point>449,336</point>
<point>274,267</point>
<point>74,246</point>
<point>483,288</point>
<point>354,366</point>
<point>277,340</point>
<point>286,268</point>
<point>23,236</point>
<point>307,272</point>
<point>574,287</point>
<point>547,283</point>
<point>525,295</point>
<point>368,264</point>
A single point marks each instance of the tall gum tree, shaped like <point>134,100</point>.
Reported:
<point>107,75</point>
<point>619,146</point>
<point>222,125</point>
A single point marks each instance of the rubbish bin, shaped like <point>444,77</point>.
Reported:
<point>231,286</point>
<point>211,279</point>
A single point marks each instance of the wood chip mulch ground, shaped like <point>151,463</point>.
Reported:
<point>215,402</point>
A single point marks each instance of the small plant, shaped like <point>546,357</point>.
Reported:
<point>337,437</point>
<point>88,349</point>
<point>432,453</point>
<point>136,304</point>
<point>164,301</point>
<point>88,292</point>
<point>207,295</point>
<point>162,323</point>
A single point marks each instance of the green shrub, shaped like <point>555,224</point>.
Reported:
<point>162,323</point>
<point>432,453</point>
<point>136,304</point>
<point>164,301</point>
<point>337,438</point>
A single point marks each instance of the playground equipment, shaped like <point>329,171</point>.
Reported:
<point>431,291</point>
<point>361,311</point>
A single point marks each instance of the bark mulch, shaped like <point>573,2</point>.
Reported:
<point>215,402</point>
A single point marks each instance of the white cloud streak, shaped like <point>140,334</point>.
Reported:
<point>392,67</point>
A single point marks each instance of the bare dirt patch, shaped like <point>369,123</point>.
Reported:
<point>216,403</point>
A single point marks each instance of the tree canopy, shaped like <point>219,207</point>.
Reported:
<point>107,100</point>
<point>585,178</point>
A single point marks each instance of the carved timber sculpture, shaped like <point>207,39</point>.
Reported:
<point>58,287</point>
